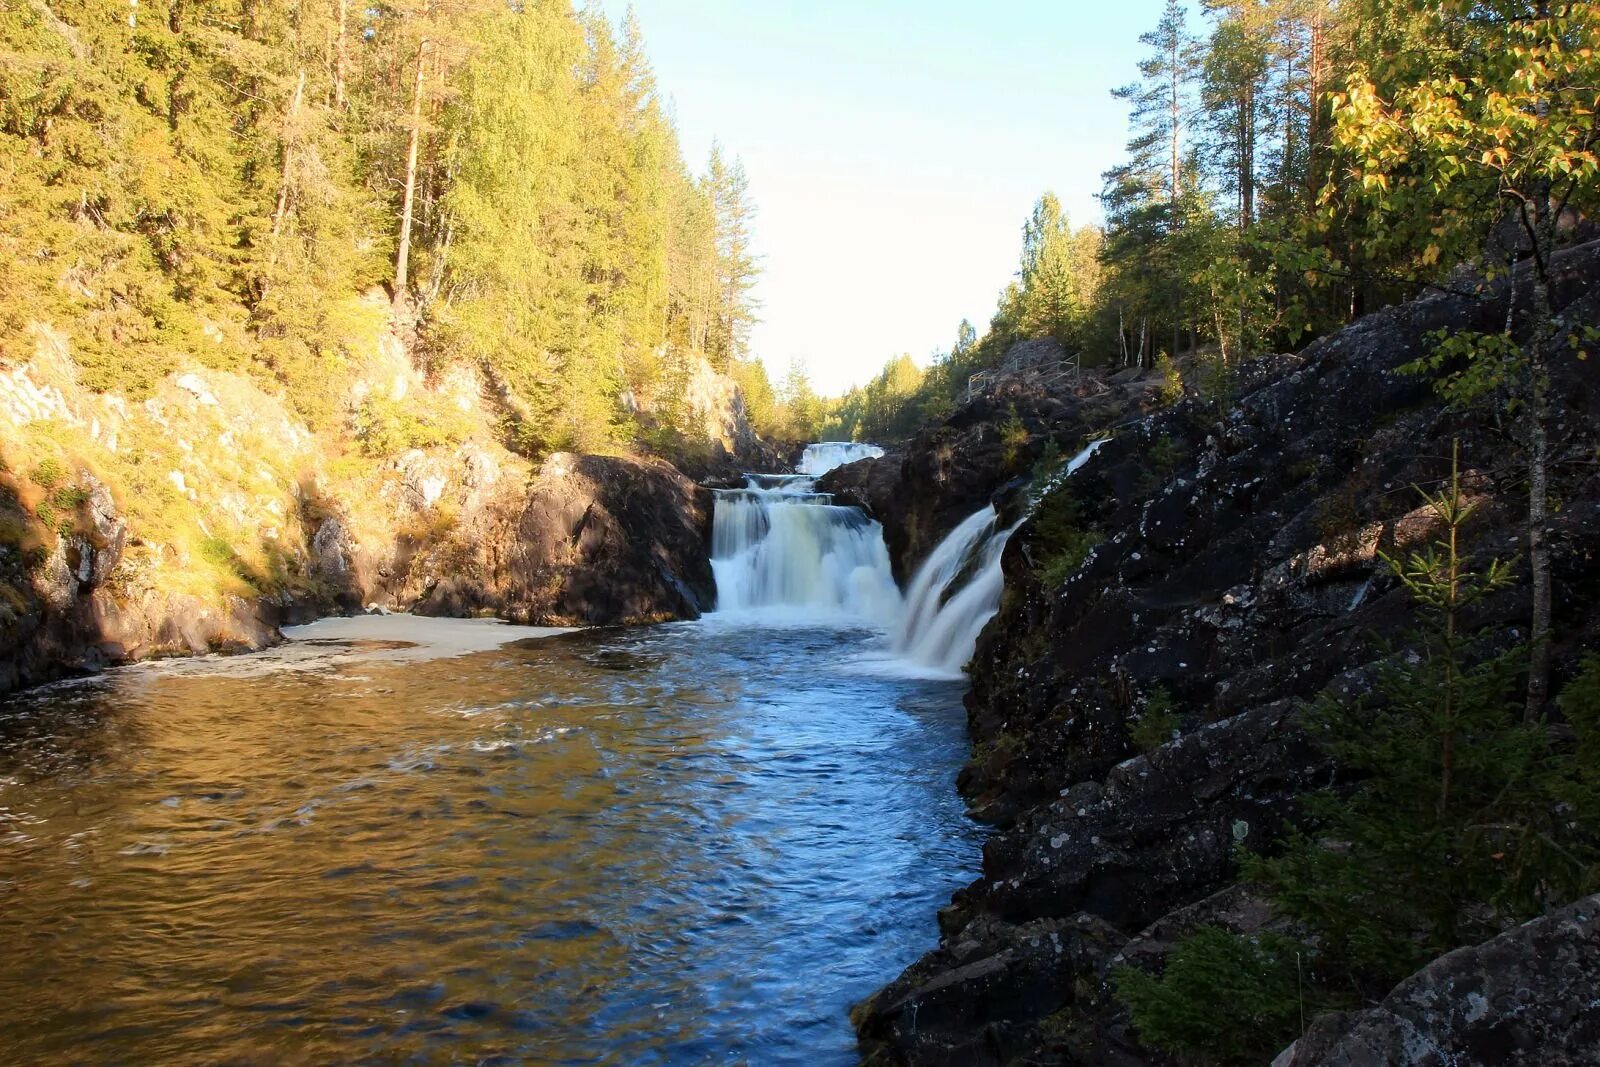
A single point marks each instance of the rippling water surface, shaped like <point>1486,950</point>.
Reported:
<point>686,844</point>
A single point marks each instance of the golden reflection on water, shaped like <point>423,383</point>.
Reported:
<point>671,845</point>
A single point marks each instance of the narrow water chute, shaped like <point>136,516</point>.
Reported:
<point>943,615</point>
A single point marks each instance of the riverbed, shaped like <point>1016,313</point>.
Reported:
<point>690,843</point>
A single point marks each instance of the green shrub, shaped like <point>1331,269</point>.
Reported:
<point>1156,723</point>
<point>48,473</point>
<point>388,427</point>
<point>1049,461</point>
<point>1063,538</point>
<point>222,555</point>
<point>1224,997</point>
<point>1466,818</point>
<point>1014,437</point>
<point>1171,380</point>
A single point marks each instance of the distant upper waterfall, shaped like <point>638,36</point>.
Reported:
<point>822,457</point>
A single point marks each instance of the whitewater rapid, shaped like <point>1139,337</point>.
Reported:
<point>781,549</point>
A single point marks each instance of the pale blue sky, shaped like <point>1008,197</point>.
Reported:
<point>894,149</point>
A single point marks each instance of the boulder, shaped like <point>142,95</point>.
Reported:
<point>1528,998</point>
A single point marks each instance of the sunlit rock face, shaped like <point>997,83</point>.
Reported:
<point>209,510</point>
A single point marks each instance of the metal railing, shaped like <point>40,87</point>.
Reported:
<point>1044,374</point>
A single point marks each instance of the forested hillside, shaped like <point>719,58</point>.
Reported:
<point>217,185</point>
<point>302,304</point>
<point>1290,166</point>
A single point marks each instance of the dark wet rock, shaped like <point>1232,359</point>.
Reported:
<point>1528,997</point>
<point>1238,576</point>
<point>923,489</point>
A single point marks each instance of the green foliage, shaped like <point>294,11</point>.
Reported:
<point>1466,366</point>
<point>69,497</point>
<point>221,554</point>
<point>1172,389</point>
<point>388,427</point>
<point>1049,461</point>
<point>1580,705</point>
<point>48,473</point>
<point>885,409</point>
<point>1156,721</point>
<point>1466,818</point>
<point>215,188</point>
<point>1063,539</point>
<point>1224,997</point>
<point>1014,437</point>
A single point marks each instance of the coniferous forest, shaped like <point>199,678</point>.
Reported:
<point>1292,165</point>
<point>219,183</point>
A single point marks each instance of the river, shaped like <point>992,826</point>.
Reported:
<point>397,840</point>
<point>690,843</point>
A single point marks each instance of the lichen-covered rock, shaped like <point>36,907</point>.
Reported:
<point>1528,998</point>
<point>1237,577</point>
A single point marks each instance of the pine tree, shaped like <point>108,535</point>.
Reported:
<point>736,269</point>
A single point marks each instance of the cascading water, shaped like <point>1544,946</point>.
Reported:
<point>820,458</point>
<point>780,544</point>
<point>777,543</point>
<point>942,621</point>
<point>941,632</point>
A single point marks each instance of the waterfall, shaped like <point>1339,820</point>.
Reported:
<point>822,457</point>
<point>939,631</point>
<point>943,618</point>
<point>779,544</point>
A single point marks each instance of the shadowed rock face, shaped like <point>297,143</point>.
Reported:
<point>590,540</point>
<point>922,490</point>
<point>1239,575</point>
<point>597,540</point>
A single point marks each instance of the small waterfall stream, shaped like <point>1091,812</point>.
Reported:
<point>780,546</point>
<point>940,628</point>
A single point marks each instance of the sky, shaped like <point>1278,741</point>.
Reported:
<point>894,150</point>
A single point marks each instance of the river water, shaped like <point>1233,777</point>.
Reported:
<point>691,843</point>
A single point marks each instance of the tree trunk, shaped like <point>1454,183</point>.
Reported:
<point>1173,61</point>
<point>288,154</point>
<point>341,57</point>
<point>1247,163</point>
<point>1538,494</point>
<point>1313,104</point>
<point>403,254</point>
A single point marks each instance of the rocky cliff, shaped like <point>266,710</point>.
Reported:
<point>1137,719</point>
<point>923,489</point>
<point>211,510</point>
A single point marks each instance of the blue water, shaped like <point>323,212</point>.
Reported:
<point>693,843</point>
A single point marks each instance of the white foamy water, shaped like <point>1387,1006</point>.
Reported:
<point>786,547</point>
<point>822,457</point>
<point>782,550</point>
